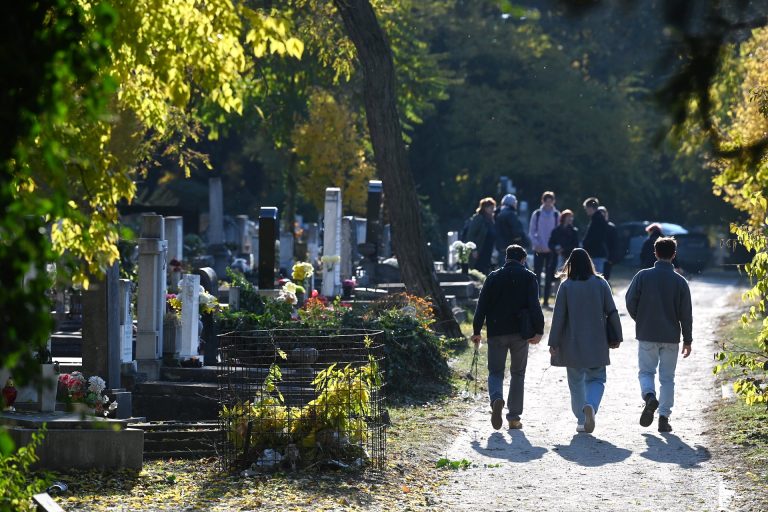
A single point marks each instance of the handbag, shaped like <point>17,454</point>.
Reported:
<point>526,326</point>
<point>610,332</point>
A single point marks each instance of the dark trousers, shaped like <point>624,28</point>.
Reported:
<point>498,346</point>
<point>547,262</point>
<point>607,270</point>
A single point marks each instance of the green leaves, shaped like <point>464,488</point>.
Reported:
<point>453,464</point>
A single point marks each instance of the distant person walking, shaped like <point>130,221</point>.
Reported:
<point>509,228</point>
<point>659,301</point>
<point>596,237</point>
<point>543,221</point>
<point>564,238</point>
<point>578,339</point>
<point>612,240</point>
<point>482,232</point>
<point>509,306</point>
<point>647,254</point>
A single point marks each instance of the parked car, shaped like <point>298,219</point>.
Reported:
<point>693,249</point>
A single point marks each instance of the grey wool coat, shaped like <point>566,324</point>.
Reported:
<point>578,323</point>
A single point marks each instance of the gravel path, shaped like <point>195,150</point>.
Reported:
<point>622,466</point>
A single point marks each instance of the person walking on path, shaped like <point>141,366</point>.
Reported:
<point>543,221</point>
<point>596,237</point>
<point>509,306</point>
<point>509,229</point>
<point>482,232</point>
<point>564,238</point>
<point>612,240</point>
<point>578,338</point>
<point>647,256</point>
<point>659,301</point>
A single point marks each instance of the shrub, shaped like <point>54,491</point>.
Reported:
<point>17,482</point>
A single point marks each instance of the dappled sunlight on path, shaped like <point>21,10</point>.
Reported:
<point>621,466</point>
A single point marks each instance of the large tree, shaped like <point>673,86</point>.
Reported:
<point>379,90</point>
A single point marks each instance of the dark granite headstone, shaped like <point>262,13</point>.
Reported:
<point>101,328</point>
<point>267,237</point>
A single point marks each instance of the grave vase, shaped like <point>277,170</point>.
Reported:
<point>465,268</point>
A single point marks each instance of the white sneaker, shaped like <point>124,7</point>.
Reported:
<point>589,419</point>
<point>579,428</point>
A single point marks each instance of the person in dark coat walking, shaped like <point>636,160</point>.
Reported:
<point>508,306</point>
<point>509,229</point>
<point>612,239</point>
<point>596,237</point>
<point>647,256</point>
<point>564,238</point>
<point>482,231</point>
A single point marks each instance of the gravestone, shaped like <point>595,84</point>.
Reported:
<point>452,258</point>
<point>332,241</point>
<point>216,245</point>
<point>101,328</point>
<point>151,295</point>
<point>286,251</point>
<point>313,242</point>
<point>348,241</point>
<point>174,233</point>
<point>190,311</point>
<point>267,238</point>
<point>126,326</point>
<point>385,247</point>
<point>210,282</point>
<point>233,301</point>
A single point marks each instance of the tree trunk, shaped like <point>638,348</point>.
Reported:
<point>413,256</point>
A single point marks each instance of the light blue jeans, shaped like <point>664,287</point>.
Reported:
<point>599,264</point>
<point>652,355</point>
<point>498,346</point>
<point>587,386</point>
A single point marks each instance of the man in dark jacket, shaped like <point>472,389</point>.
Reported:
<point>612,240</point>
<point>509,229</point>
<point>659,301</point>
<point>596,237</point>
<point>509,306</point>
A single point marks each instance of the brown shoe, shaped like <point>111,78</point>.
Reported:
<point>515,424</point>
<point>496,408</point>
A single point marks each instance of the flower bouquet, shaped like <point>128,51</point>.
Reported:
<point>463,250</point>
<point>76,389</point>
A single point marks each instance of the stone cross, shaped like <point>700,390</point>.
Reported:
<point>332,241</point>
<point>267,237</point>
<point>190,315</point>
<point>151,295</point>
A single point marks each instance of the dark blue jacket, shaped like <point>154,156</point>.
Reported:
<point>596,238</point>
<point>505,293</point>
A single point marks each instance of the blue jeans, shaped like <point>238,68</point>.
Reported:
<point>498,346</point>
<point>587,386</point>
<point>651,355</point>
<point>599,264</point>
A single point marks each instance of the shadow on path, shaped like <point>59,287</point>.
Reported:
<point>515,449</point>
<point>670,449</point>
<point>587,450</point>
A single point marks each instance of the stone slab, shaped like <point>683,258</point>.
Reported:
<point>73,449</point>
<point>57,420</point>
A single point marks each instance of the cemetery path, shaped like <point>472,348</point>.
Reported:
<point>622,466</point>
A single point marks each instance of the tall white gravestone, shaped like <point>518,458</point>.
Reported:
<point>332,241</point>
<point>190,315</point>
<point>126,323</point>
<point>151,295</point>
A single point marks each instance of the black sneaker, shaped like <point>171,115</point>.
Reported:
<point>496,409</point>
<point>651,404</point>
<point>664,425</point>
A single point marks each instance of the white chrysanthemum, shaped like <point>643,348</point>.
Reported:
<point>471,246</point>
<point>288,297</point>
<point>290,287</point>
<point>457,245</point>
<point>96,384</point>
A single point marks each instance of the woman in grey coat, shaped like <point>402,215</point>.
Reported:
<point>578,339</point>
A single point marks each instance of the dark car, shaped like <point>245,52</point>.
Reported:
<point>693,249</point>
